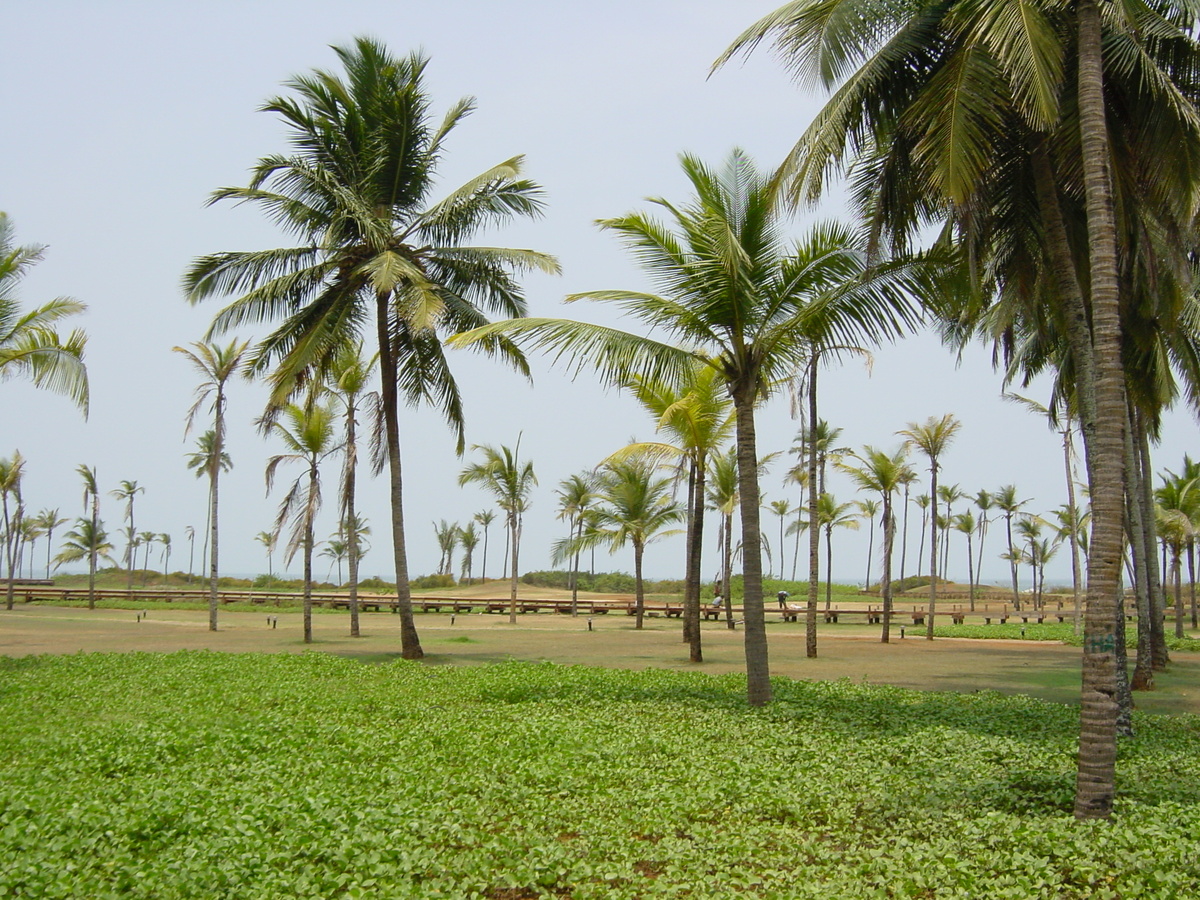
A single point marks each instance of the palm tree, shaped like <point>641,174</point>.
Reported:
<point>984,502</point>
<point>485,517</point>
<point>355,192</point>
<point>868,509</point>
<point>91,497</point>
<point>831,515</point>
<point>165,540</point>
<point>949,107</point>
<point>576,494</point>
<point>29,344</point>
<point>308,437</point>
<point>635,508</point>
<point>127,491</point>
<point>11,472</point>
<point>190,533</point>
<point>446,534</point>
<point>347,382</point>
<point>147,539</point>
<point>965,522</point>
<point>268,539</point>
<point>883,473</point>
<point>740,300</point>
<point>510,482</point>
<point>783,509</point>
<point>49,520</point>
<point>724,497</point>
<point>695,419</point>
<point>468,539</point>
<point>949,494</point>
<point>335,551</point>
<point>1006,501</point>
<point>932,438</point>
<point>87,540</point>
<point>215,365</point>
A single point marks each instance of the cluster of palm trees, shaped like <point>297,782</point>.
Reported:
<point>1054,148</point>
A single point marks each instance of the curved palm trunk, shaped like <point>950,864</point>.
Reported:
<point>483,568</point>
<point>758,676</point>
<point>577,533</point>
<point>92,553</point>
<point>870,554</point>
<point>1012,561</point>
<point>814,535</point>
<point>130,552</point>
<point>1095,778</point>
<point>410,643</point>
<point>889,537</point>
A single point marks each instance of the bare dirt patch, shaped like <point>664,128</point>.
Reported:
<point>1041,669</point>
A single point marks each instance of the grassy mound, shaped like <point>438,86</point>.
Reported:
<point>264,776</point>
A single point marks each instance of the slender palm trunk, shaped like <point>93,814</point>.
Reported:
<point>1095,779</point>
<point>814,535</point>
<point>828,567</point>
<point>410,643</point>
<point>1143,670</point>
<point>870,553</point>
<point>1158,638</point>
<point>351,517</point>
<point>1191,554</point>
<point>933,555</point>
<point>308,553</point>
<point>130,552</point>
<point>9,542</point>
<point>904,536</point>
<point>983,524</point>
<point>1012,561</point>
<point>483,568</point>
<point>92,554</point>
<point>1073,513</point>
<point>639,596</point>
<point>889,537</point>
<point>1177,572</point>
<point>514,526</point>
<point>970,572</point>
<point>691,599</point>
<point>577,534</point>
<point>214,475</point>
<point>758,676</point>
<point>727,571</point>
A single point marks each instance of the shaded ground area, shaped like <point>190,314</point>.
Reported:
<point>1041,669</point>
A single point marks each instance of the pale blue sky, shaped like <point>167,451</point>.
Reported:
<point>122,117</point>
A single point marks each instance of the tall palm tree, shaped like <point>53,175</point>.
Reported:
<point>635,507</point>
<point>127,491</point>
<point>932,438</point>
<point>738,298</point>
<point>190,533</point>
<point>485,517</point>
<point>91,498</point>
<point>695,420</point>
<point>831,515</point>
<point>576,494</point>
<point>12,470</point>
<point>468,539</point>
<point>268,539</point>
<point>373,249</point>
<point>941,103</point>
<point>949,494</point>
<point>147,539</point>
<point>87,540</point>
<point>309,439</point>
<point>883,473</point>
<point>868,509</point>
<point>30,346</point>
<point>984,502</point>
<point>1006,501</point>
<point>724,497</point>
<point>49,520</point>
<point>165,540</point>
<point>347,380</point>
<point>783,509</point>
<point>964,522</point>
<point>216,366</point>
<point>510,482</point>
<point>446,534</point>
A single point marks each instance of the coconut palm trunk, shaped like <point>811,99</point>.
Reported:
<point>410,642</point>
<point>514,528</point>
<point>349,485</point>
<point>695,538</point>
<point>814,537</point>
<point>933,555</point>
<point>308,555</point>
<point>755,631</point>
<point>1095,778</point>
<point>727,571</point>
<point>889,537</point>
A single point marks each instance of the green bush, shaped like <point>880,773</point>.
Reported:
<point>432,582</point>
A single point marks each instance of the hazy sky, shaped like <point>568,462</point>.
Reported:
<point>121,118</point>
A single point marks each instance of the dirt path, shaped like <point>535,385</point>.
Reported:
<point>1041,669</point>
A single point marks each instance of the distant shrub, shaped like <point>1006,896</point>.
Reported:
<point>375,583</point>
<point>431,582</point>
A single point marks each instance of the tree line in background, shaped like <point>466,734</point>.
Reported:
<point>1055,148</point>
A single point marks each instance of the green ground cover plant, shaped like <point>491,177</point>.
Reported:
<point>213,775</point>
